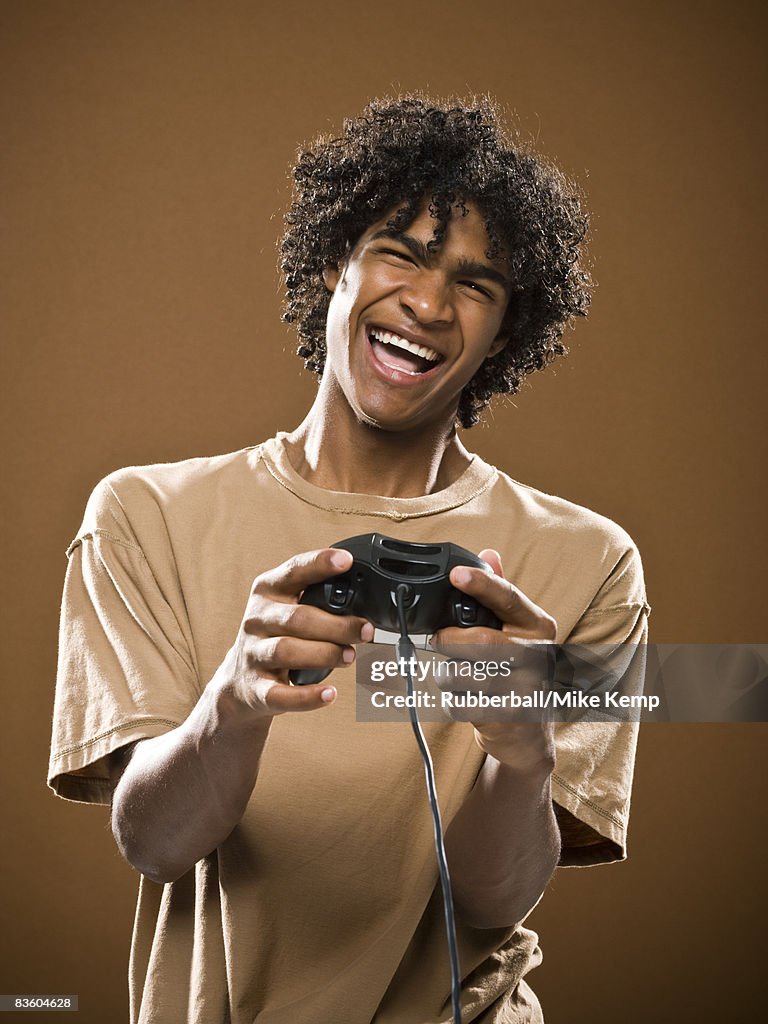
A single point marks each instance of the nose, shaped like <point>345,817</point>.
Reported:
<point>426,297</point>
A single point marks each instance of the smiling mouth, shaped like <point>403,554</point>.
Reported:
<point>400,354</point>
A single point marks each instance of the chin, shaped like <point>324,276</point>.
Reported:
<point>404,422</point>
<point>389,425</point>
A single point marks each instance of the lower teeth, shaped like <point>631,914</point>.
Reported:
<point>400,369</point>
<point>411,373</point>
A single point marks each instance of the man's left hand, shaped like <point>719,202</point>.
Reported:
<point>525,746</point>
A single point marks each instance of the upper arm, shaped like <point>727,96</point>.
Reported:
<point>126,670</point>
<point>592,780</point>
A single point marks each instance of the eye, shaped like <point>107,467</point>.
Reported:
<point>478,289</point>
<point>397,254</point>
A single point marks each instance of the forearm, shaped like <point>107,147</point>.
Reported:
<point>503,845</point>
<point>182,793</point>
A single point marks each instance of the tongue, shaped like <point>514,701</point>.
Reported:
<point>399,357</point>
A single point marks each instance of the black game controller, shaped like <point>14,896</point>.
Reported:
<point>369,588</point>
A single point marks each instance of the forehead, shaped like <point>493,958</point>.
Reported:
<point>465,229</point>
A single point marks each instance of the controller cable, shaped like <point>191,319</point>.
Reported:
<point>405,651</point>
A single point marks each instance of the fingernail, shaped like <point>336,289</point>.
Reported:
<point>366,633</point>
<point>348,655</point>
<point>462,575</point>
<point>328,694</point>
<point>341,559</point>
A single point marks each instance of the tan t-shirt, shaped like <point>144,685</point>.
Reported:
<point>322,906</point>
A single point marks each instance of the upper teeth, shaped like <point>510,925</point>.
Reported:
<point>388,338</point>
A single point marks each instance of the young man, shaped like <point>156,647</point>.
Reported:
<point>288,870</point>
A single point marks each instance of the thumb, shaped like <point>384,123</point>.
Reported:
<point>493,558</point>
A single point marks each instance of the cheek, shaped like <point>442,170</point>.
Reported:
<point>480,333</point>
<point>346,296</point>
<point>340,309</point>
<point>342,324</point>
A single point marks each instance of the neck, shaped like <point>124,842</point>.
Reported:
<point>339,453</point>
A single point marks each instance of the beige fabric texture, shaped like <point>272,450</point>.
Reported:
<point>323,905</point>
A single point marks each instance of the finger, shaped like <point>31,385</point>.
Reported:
<point>278,654</point>
<point>288,580</point>
<point>277,618</point>
<point>453,699</point>
<point>463,637</point>
<point>279,698</point>
<point>512,606</point>
<point>453,712</point>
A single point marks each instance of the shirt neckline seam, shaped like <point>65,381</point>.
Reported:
<point>392,514</point>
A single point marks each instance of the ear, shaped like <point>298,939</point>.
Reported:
<point>331,277</point>
<point>498,344</point>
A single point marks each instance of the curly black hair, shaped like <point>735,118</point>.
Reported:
<point>400,152</point>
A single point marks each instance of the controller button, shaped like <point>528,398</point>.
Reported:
<point>338,595</point>
<point>468,613</point>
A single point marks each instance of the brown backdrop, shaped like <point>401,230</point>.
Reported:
<point>145,148</point>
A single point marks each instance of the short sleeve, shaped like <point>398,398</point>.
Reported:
<point>592,780</point>
<point>125,670</point>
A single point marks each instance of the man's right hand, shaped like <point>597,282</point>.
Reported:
<point>278,634</point>
<point>179,795</point>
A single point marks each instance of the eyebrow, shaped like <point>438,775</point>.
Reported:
<point>464,267</point>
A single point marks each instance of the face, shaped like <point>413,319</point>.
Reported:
<point>408,329</point>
